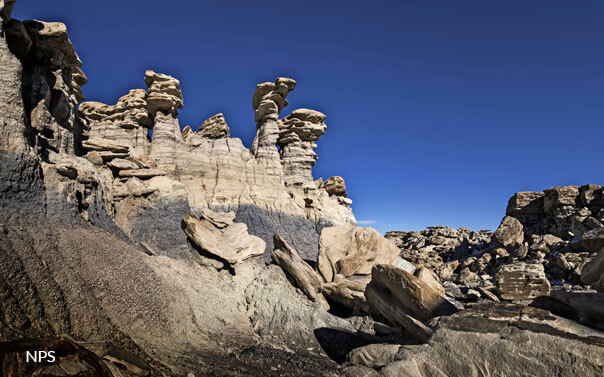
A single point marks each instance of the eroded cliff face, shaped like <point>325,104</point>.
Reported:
<point>151,251</point>
<point>91,245</point>
<point>270,190</point>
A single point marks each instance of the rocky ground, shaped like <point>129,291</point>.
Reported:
<point>186,253</point>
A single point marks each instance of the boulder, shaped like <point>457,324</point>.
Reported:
<point>404,264</point>
<point>122,164</point>
<point>560,196</point>
<point>133,187</point>
<point>413,295</point>
<point>521,281</point>
<point>300,272</point>
<point>427,276</point>
<point>587,307</point>
<point>591,241</point>
<point>349,293</point>
<point>525,203</point>
<point>232,244</point>
<point>509,234</point>
<point>350,250</point>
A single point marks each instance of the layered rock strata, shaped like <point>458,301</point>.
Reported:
<point>271,192</point>
<point>522,281</point>
<point>140,251</point>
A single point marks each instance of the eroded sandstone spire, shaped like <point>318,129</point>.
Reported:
<point>269,99</point>
<point>297,135</point>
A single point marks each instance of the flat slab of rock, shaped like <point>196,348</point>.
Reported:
<point>507,340</point>
<point>493,317</point>
<point>122,164</point>
<point>108,156</point>
<point>142,173</point>
<point>298,270</point>
<point>104,145</point>
<point>521,281</point>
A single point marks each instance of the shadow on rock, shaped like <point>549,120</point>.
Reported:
<point>337,343</point>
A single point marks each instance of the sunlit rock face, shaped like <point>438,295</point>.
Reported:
<point>270,187</point>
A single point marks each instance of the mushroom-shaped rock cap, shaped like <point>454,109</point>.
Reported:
<point>335,186</point>
<point>307,124</point>
<point>270,98</point>
<point>52,44</point>
<point>164,93</point>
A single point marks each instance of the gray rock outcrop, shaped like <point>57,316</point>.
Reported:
<point>510,339</point>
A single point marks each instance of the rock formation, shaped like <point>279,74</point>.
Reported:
<point>227,242</point>
<point>335,186</point>
<point>213,169</point>
<point>520,281</point>
<point>269,99</point>
<point>565,211</point>
<point>405,300</point>
<point>214,127</point>
<point>346,257</point>
<point>297,135</point>
<point>138,255</point>
<point>303,275</point>
<point>500,338</point>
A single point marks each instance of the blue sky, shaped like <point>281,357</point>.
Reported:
<point>437,111</point>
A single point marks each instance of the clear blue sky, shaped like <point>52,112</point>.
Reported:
<point>437,111</point>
